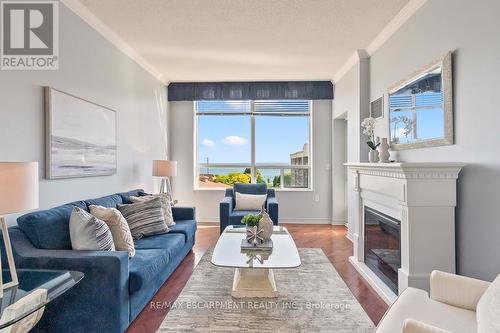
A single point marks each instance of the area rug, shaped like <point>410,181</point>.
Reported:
<point>312,298</point>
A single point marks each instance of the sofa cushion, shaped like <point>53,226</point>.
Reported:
<point>87,232</point>
<point>488,309</point>
<point>145,218</point>
<point>49,229</point>
<point>165,205</point>
<point>145,266</point>
<point>185,227</point>
<point>109,201</point>
<point>126,195</point>
<point>173,243</point>
<point>416,304</point>
<point>118,226</point>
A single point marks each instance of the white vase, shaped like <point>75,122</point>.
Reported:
<point>372,156</point>
<point>383,151</point>
<point>393,155</point>
<point>266,225</point>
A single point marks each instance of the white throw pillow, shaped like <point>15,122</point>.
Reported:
<point>118,226</point>
<point>249,201</point>
<point>165,206</point>
<point>488,309</point>
<point>87,232</point>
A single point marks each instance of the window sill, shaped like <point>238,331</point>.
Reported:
<point>217,189</point>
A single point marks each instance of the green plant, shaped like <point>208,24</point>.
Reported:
<point>233,178</point>
<point>251,220</point>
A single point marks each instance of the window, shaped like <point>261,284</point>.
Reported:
<point>253,142</point>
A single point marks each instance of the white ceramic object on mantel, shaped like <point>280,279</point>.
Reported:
<point>383,151</point>
<point>393,155</point>
<point>373,156</point>
<point>266,225</point>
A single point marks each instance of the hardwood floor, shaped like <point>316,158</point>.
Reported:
<point>329,238</point>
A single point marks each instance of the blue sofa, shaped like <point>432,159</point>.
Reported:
<point>229,216</point>
<point>115,288</point>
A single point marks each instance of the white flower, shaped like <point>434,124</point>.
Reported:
<point>368,126</point>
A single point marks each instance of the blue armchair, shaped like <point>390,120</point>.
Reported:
<point>229,216</point>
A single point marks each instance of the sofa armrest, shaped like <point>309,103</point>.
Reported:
<point>225,209</point>
<point>183,213</point>
<point>272,209</point>
<point>415,326</point>
<point>106,273</point>
<point>456,290</point>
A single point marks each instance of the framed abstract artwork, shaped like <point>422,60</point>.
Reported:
<point>80,137</point>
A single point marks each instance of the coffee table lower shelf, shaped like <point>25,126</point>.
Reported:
<point>254,283</point>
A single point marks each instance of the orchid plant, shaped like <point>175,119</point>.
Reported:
<point>368,126</point>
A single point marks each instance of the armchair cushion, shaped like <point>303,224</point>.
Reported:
<point>416,304</point>
<point>237,215</point>
<point>415,326</point>
<point>250,188</point>
<point>249,201</point>
<point>488,309</point>
<point>456,290</point>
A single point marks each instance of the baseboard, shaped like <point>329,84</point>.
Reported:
<point>350,237</point>
<point>208,219</point>
<point>294,220</point>
<point>337,222</point>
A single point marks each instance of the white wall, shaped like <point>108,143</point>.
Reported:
<point>91,68</point>
<point>294,206</point>
<point>470,28</point>
<point>351,103</point>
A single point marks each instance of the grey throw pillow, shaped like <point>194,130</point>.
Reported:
<point>145,218</point>
<point>87,232</point>
<point>166,206</point>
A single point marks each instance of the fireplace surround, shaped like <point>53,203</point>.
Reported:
<point>422,198</point>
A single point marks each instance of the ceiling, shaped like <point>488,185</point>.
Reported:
<point>245,40</point>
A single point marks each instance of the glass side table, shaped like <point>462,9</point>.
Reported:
<point>36,289</point>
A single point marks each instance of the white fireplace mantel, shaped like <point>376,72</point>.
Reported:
<point>420,195</point>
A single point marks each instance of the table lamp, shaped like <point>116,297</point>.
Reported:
<point>18,193</point>
<point>165,169</point>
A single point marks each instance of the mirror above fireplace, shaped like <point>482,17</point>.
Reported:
<point>421,108</point>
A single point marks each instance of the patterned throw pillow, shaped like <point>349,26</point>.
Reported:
<point>87,232</point>
<point>145,218</point>
<point>118,226</point>
<point>167,207</point>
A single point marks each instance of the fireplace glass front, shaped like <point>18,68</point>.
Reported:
<point>382,246</point>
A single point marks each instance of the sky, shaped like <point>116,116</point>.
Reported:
<point>430,121</point>
<point>226,139</point>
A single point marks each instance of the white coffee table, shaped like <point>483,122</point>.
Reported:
<point>254,275</point>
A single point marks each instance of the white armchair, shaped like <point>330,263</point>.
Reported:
<point>456,304</point>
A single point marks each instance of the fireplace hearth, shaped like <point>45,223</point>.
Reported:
<point>383,246</point>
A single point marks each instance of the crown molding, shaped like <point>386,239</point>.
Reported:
<point>85,14</point>
<point>392,27</point>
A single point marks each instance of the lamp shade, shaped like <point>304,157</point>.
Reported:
<point>18,187</point>
<point>164,168</point>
